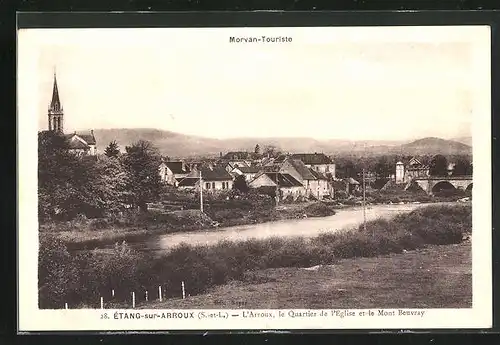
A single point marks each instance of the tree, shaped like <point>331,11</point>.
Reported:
<point>109,186</point>
<point>112,150</point>
<point>141,162</point>
<point>64,179</point>
<point>240,184</point>
<point>462,167</point>
<point>257,149</point>
<point>438,166</point>
<point>346,168</point>
<point>383,168</point>
<point>58,274</point>
<point>271,151</point>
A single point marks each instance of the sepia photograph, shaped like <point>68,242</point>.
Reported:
<point>254,177</point>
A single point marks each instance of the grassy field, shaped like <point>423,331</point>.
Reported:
<point>433,277</point>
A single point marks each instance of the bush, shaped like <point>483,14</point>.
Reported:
<point>341,195</point>
<point>452,192</point>
<point>58,276</point>
<point>318,209</point>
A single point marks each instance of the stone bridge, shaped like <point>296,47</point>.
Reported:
<point>433,184</point>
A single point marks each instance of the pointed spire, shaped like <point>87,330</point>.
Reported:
<point>55,104</point>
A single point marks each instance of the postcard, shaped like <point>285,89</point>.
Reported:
<point>257,178</point>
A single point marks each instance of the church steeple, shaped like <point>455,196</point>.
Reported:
<point>55,111</point>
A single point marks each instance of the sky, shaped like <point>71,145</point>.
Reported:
<point>393,83</point>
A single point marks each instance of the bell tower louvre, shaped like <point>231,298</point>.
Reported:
<point>55,111</point>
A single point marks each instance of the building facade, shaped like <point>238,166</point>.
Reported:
<point>248,172</point>
<point>213,179</point>
<point>317,161</point>
<point>172,173</point>
<point>412,169</point>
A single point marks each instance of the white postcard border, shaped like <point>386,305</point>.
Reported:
<point>479,316</point>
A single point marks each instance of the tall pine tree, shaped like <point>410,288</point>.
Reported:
<point>112,150</point>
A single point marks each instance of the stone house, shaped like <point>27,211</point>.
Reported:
<point>172,173</point>
<point>313,184</point>
<point>321,187</point>
<point>316,161</point>
<point>285,183</point>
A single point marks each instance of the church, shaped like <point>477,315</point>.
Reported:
<point>79,143</point>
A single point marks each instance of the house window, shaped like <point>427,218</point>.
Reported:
<point>223,185</point>
<point>213,185</point>
<point>207,185</point>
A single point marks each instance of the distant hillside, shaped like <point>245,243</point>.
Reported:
<point>180,145</point>
<point>169,143</point>
<point>436,145</point>
<point>464,140</point>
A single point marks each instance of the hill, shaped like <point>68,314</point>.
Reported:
<point>180,145</point>
<point>433,145</point>
<point>463,140</point>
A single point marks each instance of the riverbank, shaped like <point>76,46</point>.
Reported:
<point>83,278</point>
<point>433,277</point>
<point>87,234</point>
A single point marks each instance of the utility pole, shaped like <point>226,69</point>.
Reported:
<point>201,194</point>
<point>364,188</point>
<point>364,202</point>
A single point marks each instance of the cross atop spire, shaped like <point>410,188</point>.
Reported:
<point>55,104</point>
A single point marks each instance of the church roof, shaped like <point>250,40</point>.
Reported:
<point>87,137</point>
<point>77,144</point>
<point>55,103</point>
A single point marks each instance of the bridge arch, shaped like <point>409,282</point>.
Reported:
<point>443,186</point>
<point>469,188</point>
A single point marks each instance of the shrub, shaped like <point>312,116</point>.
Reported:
<point>341,195</point>
<point>99,223</point>
<point>58,275</point>
<point>452,192</point>
<point>318,209</point>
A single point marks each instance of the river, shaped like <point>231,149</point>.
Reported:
<point>343,219</point>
